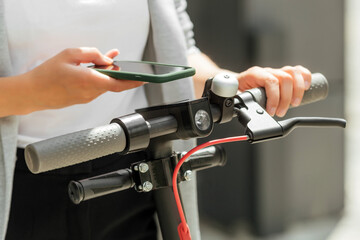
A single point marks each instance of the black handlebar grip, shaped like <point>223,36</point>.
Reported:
<point>74,148</point>
<point>100,185</point>
<point>318,90</point>
<point>208,157</point>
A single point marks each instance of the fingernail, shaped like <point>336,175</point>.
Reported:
<point>296,102</point>
<point>107,59</point>
<point>307,85</point>
<point>272,111</point>
<point>281,113</point>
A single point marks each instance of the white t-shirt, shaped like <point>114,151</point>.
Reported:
<point>39,29</point>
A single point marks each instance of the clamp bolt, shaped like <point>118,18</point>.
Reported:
<point>202,120</point>
<point>147,186</point>
<point>143,167</point>
<point>228,102</point>
<point>187,175</point>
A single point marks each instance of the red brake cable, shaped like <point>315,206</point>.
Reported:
<point>183,228</point>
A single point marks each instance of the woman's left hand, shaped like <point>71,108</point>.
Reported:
<point>284,86</point>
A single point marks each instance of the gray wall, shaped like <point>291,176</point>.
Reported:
<point>300,177</point>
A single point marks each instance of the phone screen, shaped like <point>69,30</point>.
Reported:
<point>141,67</point>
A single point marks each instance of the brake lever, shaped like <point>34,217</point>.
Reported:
<point>260,126</point>
<point>290,124</point>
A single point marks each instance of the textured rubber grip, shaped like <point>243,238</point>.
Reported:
<point>74,148</point>
<point>318,90</point>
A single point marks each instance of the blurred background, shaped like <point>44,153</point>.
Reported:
<point>305,185</point>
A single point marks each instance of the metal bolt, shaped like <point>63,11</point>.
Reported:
<point>136,168</point>
<point>202,120</point>
<point>260,111</point>
<point>143,167</point>
<point>140,187</point>
<point>147,186</point>
<point>228,102</point>
<point>187,175</point>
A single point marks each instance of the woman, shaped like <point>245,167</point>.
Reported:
<point>49,93</point>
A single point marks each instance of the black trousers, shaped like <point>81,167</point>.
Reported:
<point>41,209</point>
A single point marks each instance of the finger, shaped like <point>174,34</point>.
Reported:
<point>306,74</point>
<point>298,85</point>
<point>116,85</point>
<point>112,53</point>
<point>286,90</point>
<point>106,83</point>
<point>87,55</point>
<point>273,94</point>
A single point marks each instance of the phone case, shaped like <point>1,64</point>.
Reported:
<point>144,77</point>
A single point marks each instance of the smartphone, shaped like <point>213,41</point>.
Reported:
<point>145,71</point>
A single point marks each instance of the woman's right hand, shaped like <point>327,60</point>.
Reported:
<point>60,82</point>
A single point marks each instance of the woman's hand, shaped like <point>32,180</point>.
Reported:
<point>284,86</point>
<point>60,82</point>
